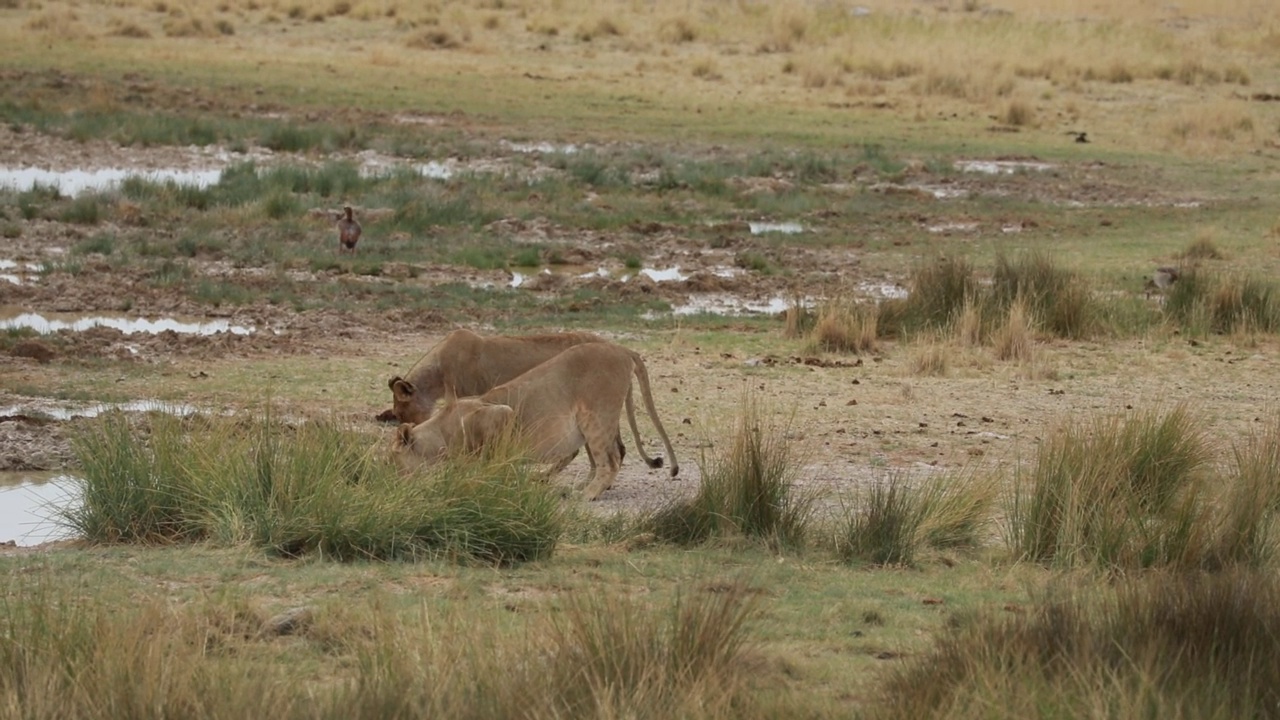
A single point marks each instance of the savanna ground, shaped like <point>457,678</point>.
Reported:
<point>565,137</point>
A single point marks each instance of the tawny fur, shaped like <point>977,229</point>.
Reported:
<point>571,401</point>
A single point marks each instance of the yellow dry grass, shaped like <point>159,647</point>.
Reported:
<point>1171,77</point>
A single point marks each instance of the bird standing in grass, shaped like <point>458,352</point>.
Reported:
<point>348,231</point>
<point>1162,279</point>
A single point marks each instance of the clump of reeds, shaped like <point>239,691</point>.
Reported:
<point>1015,339</point>
<point>890,522</point>
<point>845,326</point>
<point>67,655</point>
<point>1061,300</point>
<point>746,488</point>
<point>1203,303</point>
<point>1202,248</point>
<point>1117,492</point>
<point>311,487</point>
<point>1164,645</point>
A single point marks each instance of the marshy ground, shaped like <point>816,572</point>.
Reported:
<point>701,182</point>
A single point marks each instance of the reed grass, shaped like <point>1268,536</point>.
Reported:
<point>892,521</point>
<point>64,655</point>
<point>1123,491</point>
<point>310,488</point>
<point>843,325</point>
<point>747,488</point>
<point>1181,645</point>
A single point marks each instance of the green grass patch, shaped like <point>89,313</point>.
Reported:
<point>310,488</point>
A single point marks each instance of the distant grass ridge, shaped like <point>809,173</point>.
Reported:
<point>301,489</point>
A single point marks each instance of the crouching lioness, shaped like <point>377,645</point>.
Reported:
<point>571,400</point>
<point>471,364</point>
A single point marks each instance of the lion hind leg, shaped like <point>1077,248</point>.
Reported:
<point>602,449</point>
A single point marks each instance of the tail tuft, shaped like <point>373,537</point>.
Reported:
<point>655,462</point>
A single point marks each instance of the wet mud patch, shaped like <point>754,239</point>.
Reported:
<point>33,442</point>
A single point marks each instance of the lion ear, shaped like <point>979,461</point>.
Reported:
<point>405,432</point>
<point>401,389</point>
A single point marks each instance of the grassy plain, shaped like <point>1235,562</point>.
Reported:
<point>644,135</point>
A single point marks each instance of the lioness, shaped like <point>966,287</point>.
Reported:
<point>470,364</point>
<point>571,400</point>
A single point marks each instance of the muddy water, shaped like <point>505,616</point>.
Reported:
<point>74,182</point>
<point>23,271</point>
<point>67,412</point>
<point>785,228</point>
<point>1001,167</point>
<point>43,323</point>
<point>725,304</point>
<point>29,507</point>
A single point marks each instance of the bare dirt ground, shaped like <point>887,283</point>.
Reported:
<point>851,419</point>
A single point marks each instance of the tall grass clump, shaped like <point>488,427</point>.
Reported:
<point>1202,248</point>
<point>1117,492</point>
<point>1060,299</point>
<point>1248,505</point>
<point>1015,339</point>
<point>309,488</point>
<point>842,325</point>
<point>1203,303</point>
<point>83,210</point>
<point>891,522</point>
<point>65,655</point>
<point>747,488</point>
<point>1176,645</point>
<point>613,657</point>
<point>939,290</point>
<point>136,486</point>
<point>884,526</point>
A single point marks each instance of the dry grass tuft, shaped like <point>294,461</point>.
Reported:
<point>705,68</point>
<point>678,30</point>
<point>598,28</point>
<point>127,29</point>
<point>845,326</point>
<point>929,359</point>
<point>433,39</point>
<point>62,23</point>
<point>1205,126</point>
<point>1019,114</point>
<point>1015,340</point>
<point>1203,247</point>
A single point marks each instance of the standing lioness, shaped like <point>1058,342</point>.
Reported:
<point>571,400</point>
<point>470,364</point>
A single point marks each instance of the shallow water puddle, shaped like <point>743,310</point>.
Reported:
<point>726,304</point>
<point>74,182</point>
<point>883,290</point>
<point>67,412</point>
<point>11,319</point>
<point>785,228</point>
<point>1001,167</point>
<point>29,507</point>
<point>24,271</point>
<point>540,147</point>
<point>671,274</point>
